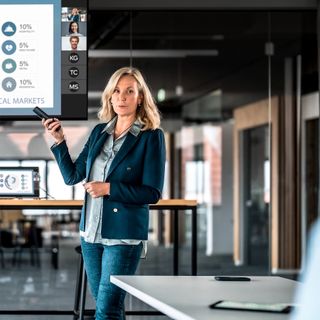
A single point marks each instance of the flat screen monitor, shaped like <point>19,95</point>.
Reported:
<point>19,182</point>
<point>43,58</point>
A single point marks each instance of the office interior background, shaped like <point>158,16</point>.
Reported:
<point>238,89</point>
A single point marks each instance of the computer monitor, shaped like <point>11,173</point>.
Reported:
<point>19,182</point>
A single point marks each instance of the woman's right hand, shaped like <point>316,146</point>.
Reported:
<point>52,126</point>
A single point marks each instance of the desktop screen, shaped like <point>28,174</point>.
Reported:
<point>19,182</point>
<point>43,58</point>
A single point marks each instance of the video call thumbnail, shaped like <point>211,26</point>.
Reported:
<point>73,29</point>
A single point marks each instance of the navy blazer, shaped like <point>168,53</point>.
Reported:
<point>136,177</point>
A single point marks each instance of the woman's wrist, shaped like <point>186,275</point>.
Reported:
<point>108,189</point>
<point>57,142</point>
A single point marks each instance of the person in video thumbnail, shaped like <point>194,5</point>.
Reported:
<point>74,41</point>
<point>74,16</point>
<point>74,29</point>
<point>121,167</point>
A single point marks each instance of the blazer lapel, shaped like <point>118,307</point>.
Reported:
<point>101,139</point>
<point>128,143</point>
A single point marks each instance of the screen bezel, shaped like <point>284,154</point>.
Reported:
<point>35,181</point>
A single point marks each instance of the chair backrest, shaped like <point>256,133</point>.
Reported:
<point>6,239</point>
<point>30,232</point>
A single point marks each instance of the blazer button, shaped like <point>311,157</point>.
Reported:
<point>115,210</point>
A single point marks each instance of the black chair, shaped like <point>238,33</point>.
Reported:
<point>2,258</point>
<point>29,238</point>
<point>1,251</point>
<point>6,241</point>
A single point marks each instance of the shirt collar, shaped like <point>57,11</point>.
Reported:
<point>135,128</point>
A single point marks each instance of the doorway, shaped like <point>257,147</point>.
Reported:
<point>256,191</point>
<point>256,184</point>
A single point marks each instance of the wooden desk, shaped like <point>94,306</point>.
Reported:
<point>77,204</point>
<point>188,297</point>
<point>168,204</point>
<point>40,204</point>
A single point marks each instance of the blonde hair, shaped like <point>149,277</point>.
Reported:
<point>147,112</point>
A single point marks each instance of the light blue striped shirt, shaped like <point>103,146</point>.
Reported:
<point>99,172</point>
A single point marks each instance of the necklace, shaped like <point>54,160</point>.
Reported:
<point>116,136</point>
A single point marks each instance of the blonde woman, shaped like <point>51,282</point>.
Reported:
<point>74,15</point>
<point>123,166</point>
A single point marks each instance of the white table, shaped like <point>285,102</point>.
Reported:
<point>188,297</point>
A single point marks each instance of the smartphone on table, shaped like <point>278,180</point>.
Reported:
<point>252,306</point>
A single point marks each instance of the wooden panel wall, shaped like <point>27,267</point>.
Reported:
<point>290,217</point>
<point>249,117</point>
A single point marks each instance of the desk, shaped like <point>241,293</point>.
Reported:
<point>188,297</point>
<point>168,204</point>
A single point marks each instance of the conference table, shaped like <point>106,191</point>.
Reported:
<point>189,297</point>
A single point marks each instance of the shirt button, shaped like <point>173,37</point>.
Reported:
<point>115,210</point>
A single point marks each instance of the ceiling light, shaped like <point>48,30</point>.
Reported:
<point>217,37</point>
<point>151,53</point>
<point>161,96</point>
<point>179,90</point>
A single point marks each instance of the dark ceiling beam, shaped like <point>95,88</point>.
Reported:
<point>203,5</point>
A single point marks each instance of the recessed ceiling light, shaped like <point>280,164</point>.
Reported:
<point>161,96</point>
<point>179,90</point>
<point>217,37</point>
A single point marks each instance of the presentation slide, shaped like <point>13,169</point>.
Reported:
<point>29,67</point>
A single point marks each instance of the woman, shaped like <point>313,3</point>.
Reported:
<point>74,16</point>
<point>74,29</point>
<point>122,164</point>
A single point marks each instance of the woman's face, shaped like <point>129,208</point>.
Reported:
<point>126,96</point>
<point>74,27</point>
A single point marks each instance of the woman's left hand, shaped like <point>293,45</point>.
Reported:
<point>97,189</point>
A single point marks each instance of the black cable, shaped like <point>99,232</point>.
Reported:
<point>47,194</point>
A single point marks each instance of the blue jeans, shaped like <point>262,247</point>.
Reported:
<point>102,261</point>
